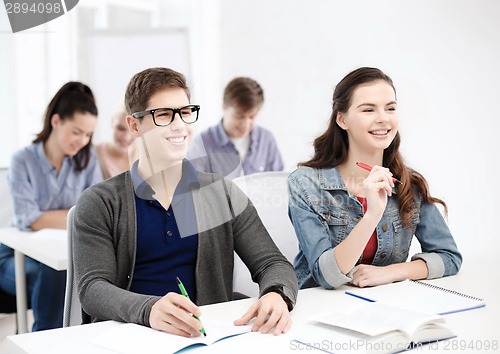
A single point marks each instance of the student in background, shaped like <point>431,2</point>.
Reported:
<point>237,146</point>
<point>138,231</point>
<point>114,155</point>
<point>46,178</point>
<point>356,226</point>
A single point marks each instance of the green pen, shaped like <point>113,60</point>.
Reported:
<point>184,292</point>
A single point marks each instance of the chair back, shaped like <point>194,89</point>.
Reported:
<point>72,308</point>
<point>268,193</point>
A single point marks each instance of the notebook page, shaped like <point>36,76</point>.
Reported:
<point>376,318</point>
<point>131,338</point>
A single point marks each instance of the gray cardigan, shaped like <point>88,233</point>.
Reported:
<point>104,238</point>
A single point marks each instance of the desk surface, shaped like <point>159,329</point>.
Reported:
<point>48,246</point>
<point>473,328</point>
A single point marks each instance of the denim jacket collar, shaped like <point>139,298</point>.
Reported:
<point>330,178</point>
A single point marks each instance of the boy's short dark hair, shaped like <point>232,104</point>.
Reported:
<point>243,92</point>
<point>146,83</point>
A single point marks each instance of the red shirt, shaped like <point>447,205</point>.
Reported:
<point>372,245</point>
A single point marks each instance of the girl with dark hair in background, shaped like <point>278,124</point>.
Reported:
<point>356,226</point>
<point>46,178</point>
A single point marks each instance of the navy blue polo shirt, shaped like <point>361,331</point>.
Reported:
<point>167,240</point>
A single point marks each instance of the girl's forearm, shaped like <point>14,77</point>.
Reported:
<point>53,219</point>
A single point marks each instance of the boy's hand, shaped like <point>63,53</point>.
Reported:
<point>173,314</point>
<point>270,311</point>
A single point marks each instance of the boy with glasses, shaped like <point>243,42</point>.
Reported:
<point>135,233</point>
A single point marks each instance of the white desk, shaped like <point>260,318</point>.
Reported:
<point>475,326</point>
<point>47,246</point>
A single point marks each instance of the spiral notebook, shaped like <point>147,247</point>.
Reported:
<point>419,296</point>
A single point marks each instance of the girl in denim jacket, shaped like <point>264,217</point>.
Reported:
<point>356,226</point>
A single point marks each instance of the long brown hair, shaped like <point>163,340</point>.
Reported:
<point>73,97</point>
<point>331,148</point>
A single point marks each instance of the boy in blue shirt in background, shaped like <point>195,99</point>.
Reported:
<point>237,146</point>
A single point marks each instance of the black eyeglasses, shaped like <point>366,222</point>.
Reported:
<point>165,116</point>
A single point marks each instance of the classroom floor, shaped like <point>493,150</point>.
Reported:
<point>7,328</point>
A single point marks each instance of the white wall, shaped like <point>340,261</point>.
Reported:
<point>442,55</point>
<point>6,88</point>
<point>34,64</point>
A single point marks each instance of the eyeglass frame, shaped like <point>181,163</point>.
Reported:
<point>142,114</point>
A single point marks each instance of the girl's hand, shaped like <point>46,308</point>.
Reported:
<point>378,186</point>
<point>368,275</point>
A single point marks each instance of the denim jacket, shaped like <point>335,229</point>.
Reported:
<point>323,213</point>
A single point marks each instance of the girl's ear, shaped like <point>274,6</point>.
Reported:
<point>341,120</point>
<point>55,120</point>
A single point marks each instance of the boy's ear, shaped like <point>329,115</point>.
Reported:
<point>341,121</point>
<point>133,125</point>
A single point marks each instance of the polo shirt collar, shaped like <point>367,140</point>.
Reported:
<point>188,182</point>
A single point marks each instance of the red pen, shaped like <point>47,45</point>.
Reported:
<point>369,168</point>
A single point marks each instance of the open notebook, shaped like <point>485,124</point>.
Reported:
<point>419,296</point>
<point>132,338</point>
